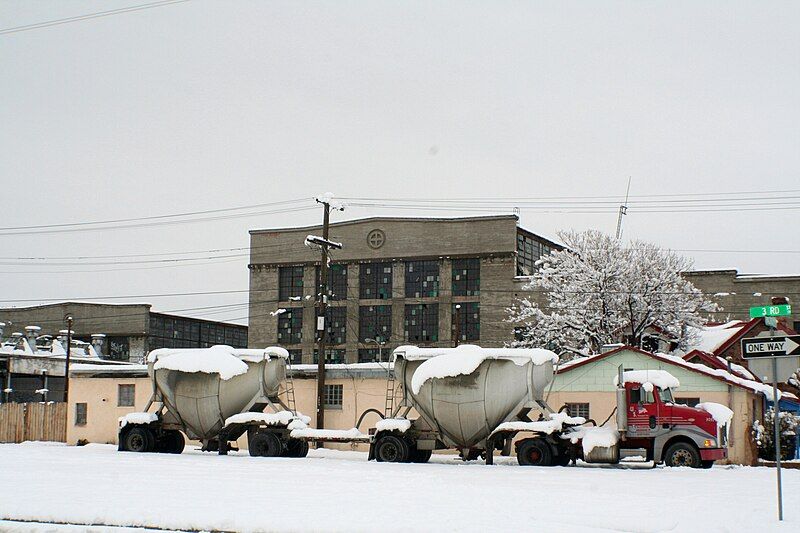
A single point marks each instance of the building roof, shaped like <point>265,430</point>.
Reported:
<point>387,219</point>
<point>713,373</point>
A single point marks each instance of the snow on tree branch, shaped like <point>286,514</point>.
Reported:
<point>598,292</point>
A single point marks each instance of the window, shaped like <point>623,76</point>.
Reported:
<point>466,277</point>
<point>529,250</point>
<point>290,282</point>
<point>178,332</point>
<point>422,279</point>
<point>80,414</point>
<point>375,322</point>
<point>373,355</point>
<point>468,318</point>
<point>333,356</point>
<point>335,325</point>
<point>337,281</point>
<point>422,323</point>
<point>126,395</point>
<point>290,326</point>
<point>295,357</point>
<point>333,396</point>
<point>691,402</point>
<point>375,281</point>
<point>579,409</point>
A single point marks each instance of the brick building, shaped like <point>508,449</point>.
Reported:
<point>396,281</point>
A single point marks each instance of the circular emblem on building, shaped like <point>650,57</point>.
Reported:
<point>376,238</point>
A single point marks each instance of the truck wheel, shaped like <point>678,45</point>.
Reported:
<point>296,448</point>
<point>391,449</point>
<point>682,454</point>
<point>139,439</point>
<point>706,464</point>
<point>172,442</point>
<point>534,452</point>
<point>420,456</point>
<point>265,445</point>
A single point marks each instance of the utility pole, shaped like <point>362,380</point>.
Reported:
<point>457,338</point>
<point>623,210</point>
<point>68,319</point>
<point>322,303</point>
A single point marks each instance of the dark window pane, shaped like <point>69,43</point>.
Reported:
<point>466,277</point>
<point>333,396</point>
<point>422,279</point>
<point>335,325</point>
<point>334,356</point>
<point>290,282</point>
<point>337,281</point>
<point>375,281</point>
<point>469,319</point>
<point>422,323</point>
<point>375,322</point>
<point>290,326</point>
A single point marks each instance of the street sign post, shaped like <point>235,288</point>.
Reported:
<point>773,347</point>
<point>770,310</point>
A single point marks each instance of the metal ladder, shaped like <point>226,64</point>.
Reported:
<point>289,388</point>
<point>390,386</point>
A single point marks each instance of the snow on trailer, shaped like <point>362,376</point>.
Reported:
<point>215,395</point>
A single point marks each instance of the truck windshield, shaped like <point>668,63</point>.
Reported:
<point>666,395</point>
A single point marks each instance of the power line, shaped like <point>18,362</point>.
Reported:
<point>88,16</point>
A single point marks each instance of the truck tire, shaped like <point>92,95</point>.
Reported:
<point>706,464</point>
<point>420,456</point>
<point>171,442</point>
<point>534,452</point>
<point>265,444</point>
<point>139,439</point>
<point>391,449</point>
<point>296,448</point>
<point>682,454</point>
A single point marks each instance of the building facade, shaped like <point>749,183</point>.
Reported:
<point>736,293</point>
<point>422,281</point>
<point>129,330</point>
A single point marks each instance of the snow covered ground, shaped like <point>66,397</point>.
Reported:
<point>341,491</point>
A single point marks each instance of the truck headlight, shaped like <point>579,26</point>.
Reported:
<point>709,443</point>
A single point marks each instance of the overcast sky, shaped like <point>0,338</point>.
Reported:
<point>203,105</point>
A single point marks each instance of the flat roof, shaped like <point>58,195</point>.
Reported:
<point>387,219</point>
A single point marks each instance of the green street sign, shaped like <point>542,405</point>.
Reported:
<point>771,310</point>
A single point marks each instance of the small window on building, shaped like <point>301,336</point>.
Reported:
<point>579,409</point>
<point>467,277</point>
<point>290,282</point>
<point>691,402</point>
<point>375,323</point>
<point>468,318</point>
<point>80,414</point>
<point>375,281</point>
<point>422,279</point>
<point>373,355</point>
<point>126,395</point>
<point>333,396</point>
<point>335,325</point>
<point>295,357</point>
<point>290,326</point>
<point>337,281</point>
<point>333,356</point>
<point>422,323</point>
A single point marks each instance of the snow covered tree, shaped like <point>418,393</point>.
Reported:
<point>764,435</point>
<point>599,291</point>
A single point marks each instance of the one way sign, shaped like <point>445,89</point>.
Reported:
<point>760,347</point>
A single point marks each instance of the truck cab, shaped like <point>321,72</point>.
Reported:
<point>676,434</point>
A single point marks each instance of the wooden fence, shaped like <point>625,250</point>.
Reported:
<point>33,421</point>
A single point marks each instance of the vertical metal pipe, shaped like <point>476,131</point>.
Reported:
<point>68,318</point>
<point>776,423</point>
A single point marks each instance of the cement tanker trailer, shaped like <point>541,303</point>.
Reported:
<point>215,395</point>
<point>478,400</point>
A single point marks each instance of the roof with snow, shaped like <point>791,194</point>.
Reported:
<point>714,373</point>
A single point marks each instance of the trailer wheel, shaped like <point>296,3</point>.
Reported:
<point>682,454</point>
<point>139,439</point>
<point>420,456</point>
<point>534,452</point>
<point>390,449</point>
<point>265,445</point>
<point>296,448</point>
<point>171,442</point>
